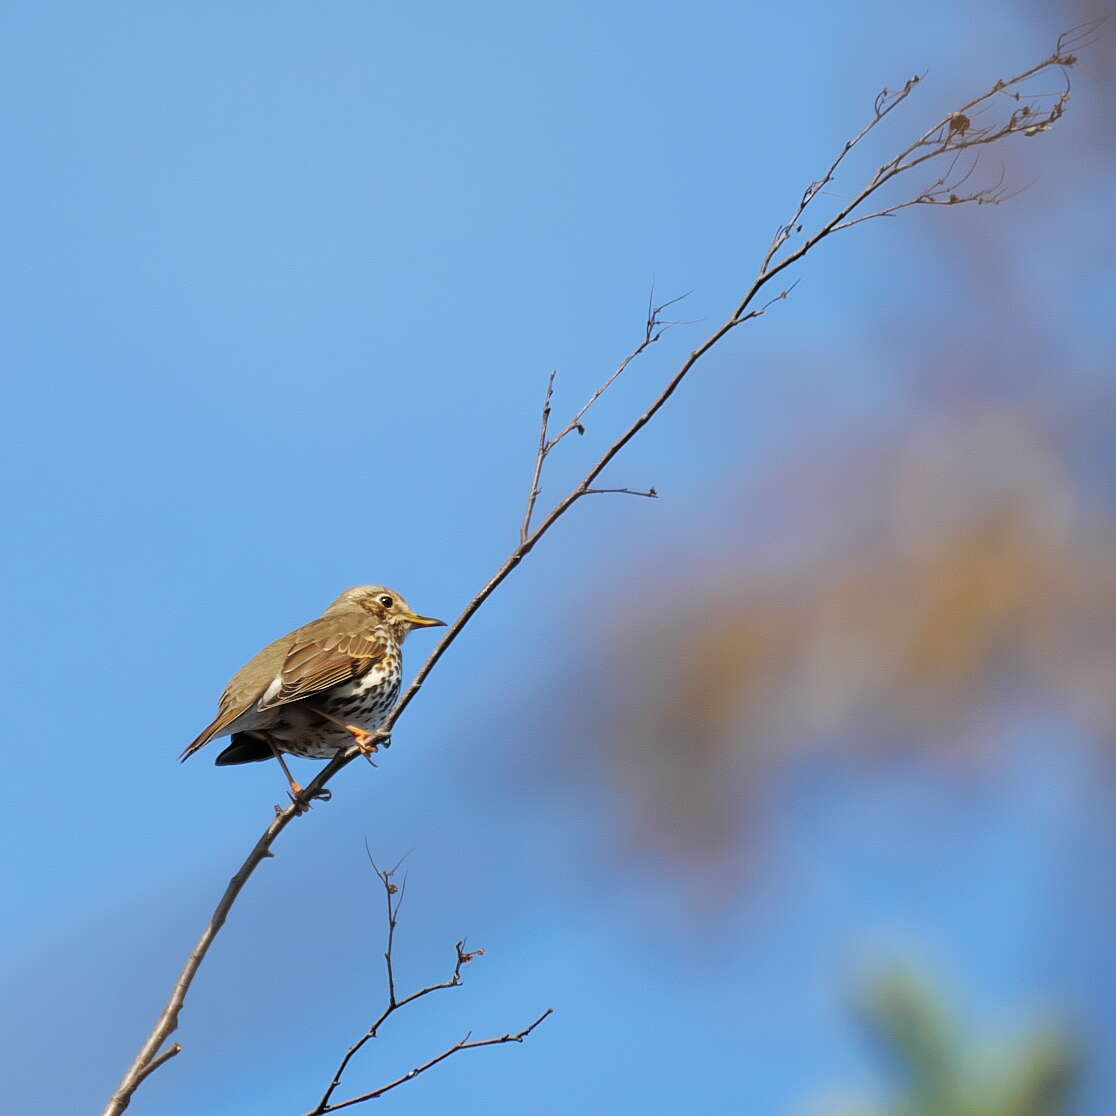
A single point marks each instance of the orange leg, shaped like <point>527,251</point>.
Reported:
<point>365,741</point>
<point>296,788</point>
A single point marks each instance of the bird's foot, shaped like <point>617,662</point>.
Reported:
<point>369,742</point>
<point>301,801</point>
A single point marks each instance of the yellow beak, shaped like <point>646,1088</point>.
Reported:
<point>423,621</point>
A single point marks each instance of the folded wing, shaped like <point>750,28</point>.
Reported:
<point>309,661</point>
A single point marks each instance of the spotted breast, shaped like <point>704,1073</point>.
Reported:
<point>363,702</point>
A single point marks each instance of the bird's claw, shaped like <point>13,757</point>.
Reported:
<point>301,801</point>
<point>369,743</point>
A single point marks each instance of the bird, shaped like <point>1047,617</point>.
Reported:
<point>318,689</point>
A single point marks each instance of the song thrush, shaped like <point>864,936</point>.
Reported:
<point>324,686</point>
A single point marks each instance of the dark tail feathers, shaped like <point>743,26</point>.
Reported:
<point>245,748</point>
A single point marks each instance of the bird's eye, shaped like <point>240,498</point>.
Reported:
<point>387,601</point>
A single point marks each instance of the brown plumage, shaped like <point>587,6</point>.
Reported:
<point>321,687</point>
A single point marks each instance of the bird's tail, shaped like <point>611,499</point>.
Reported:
<point>245,748</point>
<point>201,741</point>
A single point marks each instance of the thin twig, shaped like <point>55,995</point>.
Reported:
<point>651,494</point>
<point>759,311</point>
<point>410,1075</point>
<point>654,328</point>
<point>155,1063</point>
<point>1036,113</point>
<point>540,457</point>
<point>149,1059</point>
<point>393,894</point>
<point>886,101</point>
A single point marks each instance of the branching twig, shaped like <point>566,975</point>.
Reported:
<point>654,328</point>
<point>885,102</point>
<point>465,1044</point>
<point>394,895</point>
<point>650,493</point>
<point>957,132</point>
<point>155,1063</point>
<point>540,457</point>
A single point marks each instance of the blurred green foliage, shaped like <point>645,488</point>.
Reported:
<point>941,1071</point>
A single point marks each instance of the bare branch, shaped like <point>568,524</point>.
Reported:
<point>650,493</point>
<point>886,101</point>
<point>654,329</point>
<point>540,457</point>
<point>954,133</point>
<point>410,1075</point>
<point>759,311</point>
<point>149,1059</point>
<point>975,125</point>
<point>942,192</point>
<point>155,1063</point>
<point>394,896</point>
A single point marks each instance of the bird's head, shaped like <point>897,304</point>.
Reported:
<point>387,606</point>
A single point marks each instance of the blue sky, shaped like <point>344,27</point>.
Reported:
<point>284,284</point>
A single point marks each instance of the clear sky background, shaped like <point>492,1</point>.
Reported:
<point>282,286</point>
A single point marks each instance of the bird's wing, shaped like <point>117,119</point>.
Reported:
<point>322,655</point>
<point>316,657</point>
<point>244,691</point>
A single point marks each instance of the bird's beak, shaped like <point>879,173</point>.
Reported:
<point>423,621</point>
